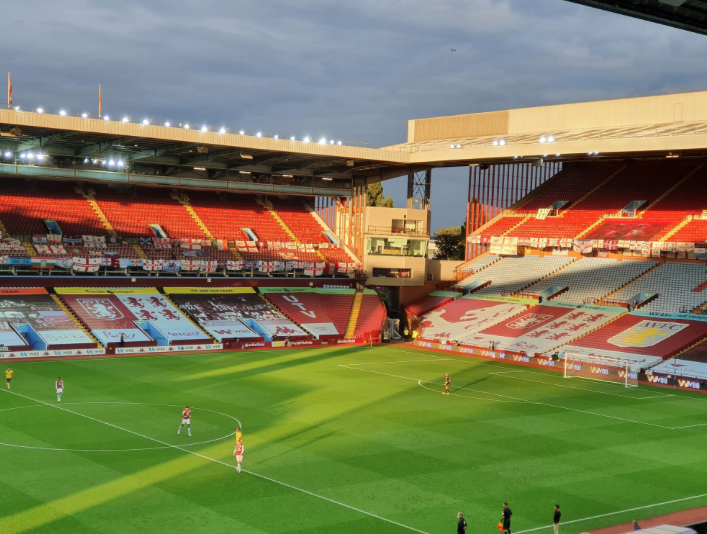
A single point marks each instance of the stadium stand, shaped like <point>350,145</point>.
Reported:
<point>225,312</point>
<point>371,317</point>
<point>692,363</point>
<point>591,279</point>
<point>156,316</point>
<point>514,273</point>
<point>641,339</point>
<point>544,328</point>
<point>131,213</point>
<point>680,287</point>
<point>430,302</point>
<point>41,321</point>
<point>324,313</point>
<point>469,314</point>
<point>24,207</point>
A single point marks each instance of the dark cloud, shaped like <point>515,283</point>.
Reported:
<point>349,70</point>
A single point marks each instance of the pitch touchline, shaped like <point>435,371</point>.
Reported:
<point>616,513</point>
<point>220,462</point>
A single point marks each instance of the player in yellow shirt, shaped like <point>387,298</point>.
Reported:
<point>8,377</point>
<point>447,383</point>
<point>238,451</point>
<point>239,435</point>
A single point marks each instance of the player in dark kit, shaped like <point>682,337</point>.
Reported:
<point>506,518</point>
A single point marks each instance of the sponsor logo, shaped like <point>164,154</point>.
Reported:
<point>518,358</point>
<point>688,384</point>
<point>426,344</point>
<point>647,333</point>
<point>657,379</point>
<point>529,321</point>
<point>548,363</point>
<point>447,347</point>
<point>248,345</point>
<point>632,376</point>
<point>303,342</point>
<point>340,341</point>
<point>599,371</point>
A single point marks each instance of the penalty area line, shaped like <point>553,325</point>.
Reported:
<point>176,447</point>
<point>616,513</point>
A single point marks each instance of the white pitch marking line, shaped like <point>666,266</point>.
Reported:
<point>419,383</point>
<point>400,361</point>
<point>222,463</point>
<point>616,513</point>
<point>523,400</point>
<point>118,450</point>
<point>574,387</point>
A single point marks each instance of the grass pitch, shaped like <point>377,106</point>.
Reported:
<point>345,440</point>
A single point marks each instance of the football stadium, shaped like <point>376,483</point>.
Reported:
<point>339,376</point>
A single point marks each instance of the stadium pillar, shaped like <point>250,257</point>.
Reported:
<point>419,190</point>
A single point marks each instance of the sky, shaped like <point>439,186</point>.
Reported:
<point>356,70</point>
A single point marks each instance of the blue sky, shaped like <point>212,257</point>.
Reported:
<point>354,70</point>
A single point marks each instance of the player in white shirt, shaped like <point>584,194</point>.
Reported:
<point>59,388</point>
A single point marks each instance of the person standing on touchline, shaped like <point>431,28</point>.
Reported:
<point>556,519</point>
<point>461,526</point>
<point>506,518</point>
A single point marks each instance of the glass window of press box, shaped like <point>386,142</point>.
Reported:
<point>396,246</point>
<point>401,226</point>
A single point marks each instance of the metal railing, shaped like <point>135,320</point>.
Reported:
<point>397,230</point>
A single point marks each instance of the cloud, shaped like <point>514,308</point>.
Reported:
<point>349,70</point>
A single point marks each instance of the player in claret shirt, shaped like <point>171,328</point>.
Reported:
<point>59,388</point>
<point>238,453</point>
<point>186,420</point>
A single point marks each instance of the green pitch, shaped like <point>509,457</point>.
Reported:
<point>345,440</point>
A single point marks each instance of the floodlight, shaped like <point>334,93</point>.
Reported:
<point>276,136</point>
<point>85,160</point>
<point>452,145</point>
<point>62,113</point>
<point>306,139</point>
<point>8,154</point>
<point>204,129</point>
<point>502,142</point>
<point>222,131</point>
<point>495,143</point>
<point>84,115</point>
<point>543,139</point>
<point>186,126</point>
<point>241,132</point>
<point>121,163</point>
<point>124,119</point>
<point>550,138</point>
<point>40,110</point>
<point>292,138</point>
<point>167,124</point>
<point>30,155</point>
<point>338,142</point>
<point>259,134</point>
<point>106,118</point>
<point>145,122</point>
<point>322,141</point>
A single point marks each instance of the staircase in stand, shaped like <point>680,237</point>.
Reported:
<point>140,252</point>
<point>184,201</point>
<point>268,206</point>
<point>679,227</point>
<point>90,198</point>
<point>608,297</point>
<point>673,188</point>
<point>353,318</point>
<point>30,249</point>
<point>75,319</point>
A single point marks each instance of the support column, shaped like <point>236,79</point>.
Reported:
<point>419,190</point>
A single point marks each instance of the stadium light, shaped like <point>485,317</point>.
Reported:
<point>204,128</point>
<point>186,126</point>
<point>502,142</point>
<point>167,124</point>
<point>106,118</point>
<point>22,156</point>
<point>495,143</point>
<point>452,145</point>
<point>18,108</point>
<point>459,146</point>
<point>259,134</point>
<point>246,156</point>
<point>84,115</point>
<point>103,162</point>
<point>338,142</point>
<point>544,155</point>
<point>121,163</point>
<point>550,138</point>
<point>543,139</point>
<point>62,113</point>
<point>306,139</point>
<point>85,160</point>
<point>326,178</point>
<point>30,155</point>
<point>557,155</point>
<point>276,136</point>
<point>244,172</point>
<point>331,142</point>
<point>124,119</point>
<point>111,162</point>
<point>322,141</point>
<point>40,110</point>
<point>145,122</point>
<point>515,157</point>
<point>286,175</point>
<point>222,130</point>
<point>199,168</point>
<point>292,138</point>
<point>242,132</point>
<point>8,154</point>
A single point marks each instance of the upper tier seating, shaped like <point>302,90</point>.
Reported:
<point>689,198</point>
<point>480,263</point>
<point>316,312</point>
<point>638,181</point>
<point>515,273</point>
<point>24,209</point>
<point>131,214</point>
<point>592,279</point>
<point>302,223</point>
<point>674,282</point>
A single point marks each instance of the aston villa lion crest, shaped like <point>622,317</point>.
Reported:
<point>102,309</point>
<point>646,333</point>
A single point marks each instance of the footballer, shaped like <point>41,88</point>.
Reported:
<point>186,420</point>
<point>238,451</point>
<point>59,388</point>
<point>8,377</point>
<point>447,383</point>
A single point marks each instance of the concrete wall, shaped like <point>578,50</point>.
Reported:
<point>442,270</point>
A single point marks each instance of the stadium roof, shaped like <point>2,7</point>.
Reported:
<point>86,149</point>
<point>690,15</point>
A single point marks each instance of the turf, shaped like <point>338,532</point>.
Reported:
<point>331,434</point>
